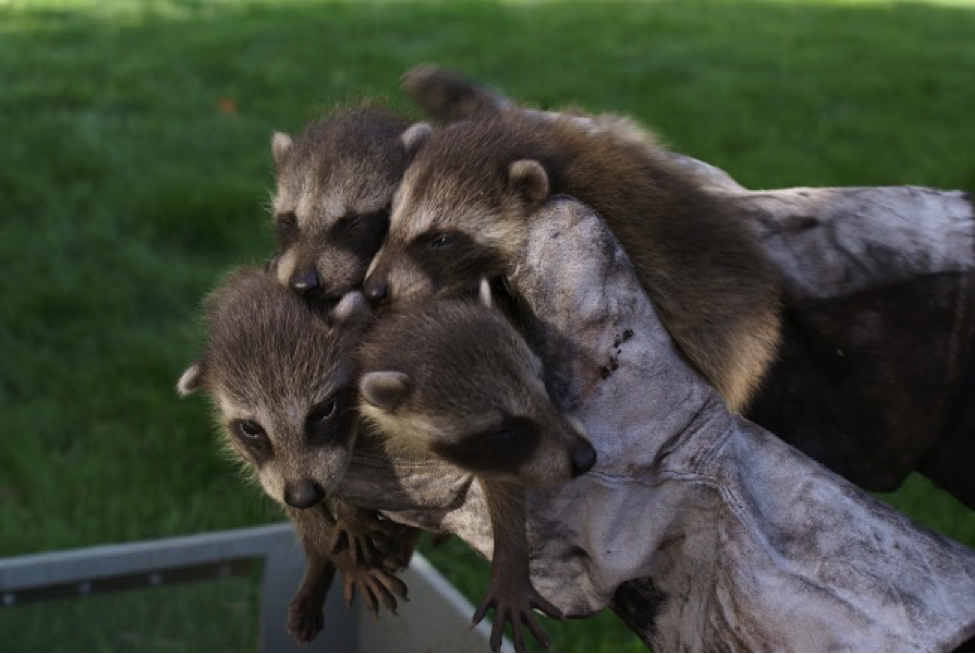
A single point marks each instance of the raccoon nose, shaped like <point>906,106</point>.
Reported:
<point>583,459</point>
<point>303,495</point>
<point>305,282</point>
<point>376,290</point>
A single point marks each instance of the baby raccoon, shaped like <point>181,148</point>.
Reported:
<point>462,212</point>
<point>451,378</point>
<point>286,396</point>
<point>331,207</point>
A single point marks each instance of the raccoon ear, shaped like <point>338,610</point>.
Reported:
<point>414,136</point>
<point>280,146</point>
<point>385,390</point>
<point>191,380</point>
<point>528,178</point>
<point>484,292</point>
<point>350,309</point>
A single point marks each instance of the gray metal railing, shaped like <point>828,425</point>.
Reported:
<point>435,619</point>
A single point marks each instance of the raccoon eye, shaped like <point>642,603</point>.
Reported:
<point>505,435</point>
<point>286,228</point>
<point>515,429</point>
<point>248,429</point>
<point>323,412</point>
<point>442,241</point>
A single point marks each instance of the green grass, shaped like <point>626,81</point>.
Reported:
<point>216,616</point>
<point>125,191</point>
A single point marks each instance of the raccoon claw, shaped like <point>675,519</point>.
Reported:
<point>363,549</point>
<point>305,618</point>
<point>375,586</point>
<point>517,611</point>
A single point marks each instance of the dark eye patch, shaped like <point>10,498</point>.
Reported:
<point>441,241</point>
<point>360,234</point>
<point>251,435</point>
<point>452,260</point>
<point>333,420</point>
<point>322,412</point>
<point>503,448</point>
<point>249,430</point>
<point>286,229</point>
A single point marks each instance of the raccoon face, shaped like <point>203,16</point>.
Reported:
<point>300,449</point>
<point>532,443</point>
<point>282,379</point>
<point>331,206</point>
<point>448,230</point>
<point>444,238</point>
<point>435,262</point>
<point>322,257</point>
<point>481,404</point>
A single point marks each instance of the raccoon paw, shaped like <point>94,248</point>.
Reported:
<point>369,540</point>
<point>306,617</point>
<point>375,586</point>
<point>515,606</point>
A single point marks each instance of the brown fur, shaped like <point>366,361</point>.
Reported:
<point>483,180</point>
<point>273,367</point>
<point>468,371</point>
<point>272,361</point>
<point>448,97</point>
<point>451,378</point>
<point>331,205</point>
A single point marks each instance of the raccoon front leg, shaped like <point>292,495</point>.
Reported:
<point>368,552</point>
<point>305,612</point>
<point>376,583</point>
<point>511,592</point>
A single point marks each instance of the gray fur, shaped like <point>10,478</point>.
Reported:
<point>451,379</point>
<point>272,360</point>
<point>282,377</point>
<point>481,182</point>
<point>440,370</point>
<point>860,381</point>
<point>334,185</point>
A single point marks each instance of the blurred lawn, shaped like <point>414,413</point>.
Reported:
<point>135,167</point>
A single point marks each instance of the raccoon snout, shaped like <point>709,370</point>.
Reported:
<point>303,494</point>
<point>305,282</point>
<point>583,459</point>
<point>376,290</point>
